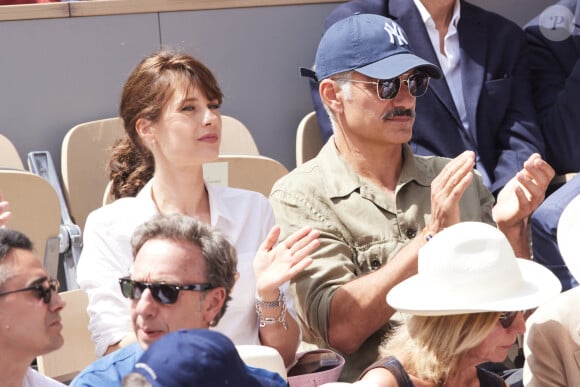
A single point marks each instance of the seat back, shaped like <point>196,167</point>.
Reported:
<point>254,173</point>
<point>9,157</point>
<point>86,150</point>
<point>35,212</point>
<point>251,172</point>
<point>308,139</point>
<point>236,138</point>
<point>262,356</point>
<point>85,153</point>
<point>78,349</point>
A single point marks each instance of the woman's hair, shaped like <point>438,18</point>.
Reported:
<point>145,93</point>
<point>431,347</point>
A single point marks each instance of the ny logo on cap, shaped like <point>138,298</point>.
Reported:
<point>395,31</point>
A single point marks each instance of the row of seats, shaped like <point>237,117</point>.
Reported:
<point>86,151</point>
<point>52,214</point>
<point>41,207</point>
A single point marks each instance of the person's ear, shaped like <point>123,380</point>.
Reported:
<point>213,303</point>
<point>331,94</point>
<point>146,131</point>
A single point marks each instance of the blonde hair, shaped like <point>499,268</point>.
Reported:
<point>431,347</point>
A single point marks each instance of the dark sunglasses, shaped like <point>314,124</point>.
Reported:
<point>506,319</point>
<point>43,292</point>
<point>417,84</point>
<point>162,293</point>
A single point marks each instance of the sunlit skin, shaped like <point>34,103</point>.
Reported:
<point>188,131</point>
<point>5,214</point>
<point>156,262</point>
<point>177,263</point>
<point>361,115</point>
<point>186,135</point>
<point>28,326</point>
<point>494,348</point>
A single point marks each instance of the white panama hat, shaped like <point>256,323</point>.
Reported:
<point>470,267</point>
<point>569,236</point>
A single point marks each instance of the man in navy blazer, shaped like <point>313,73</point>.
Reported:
<point>554,41</point>
<point>555,69</point>
<point>502,126</point>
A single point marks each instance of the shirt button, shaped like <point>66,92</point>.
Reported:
<point>375,264</point>
<point>411,233</point>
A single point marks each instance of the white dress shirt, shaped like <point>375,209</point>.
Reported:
<point>450,63</point>
<point>34,379</point>
<point>244,217</point>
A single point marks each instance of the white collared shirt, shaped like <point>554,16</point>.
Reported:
<point>34,379</point>
<point>244,217</point>
<point>450,62</point>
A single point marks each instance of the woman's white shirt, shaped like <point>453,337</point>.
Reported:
<point>244,217</point>
<point>34,379</point>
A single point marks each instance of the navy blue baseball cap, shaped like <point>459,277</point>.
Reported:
<point>369,44</point>
<point>200,357</point>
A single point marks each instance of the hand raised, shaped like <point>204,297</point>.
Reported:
<point>447,189</point>
<point>4,213</point>
<point>276,264</point>
<point>523,193</point>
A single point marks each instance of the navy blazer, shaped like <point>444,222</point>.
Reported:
<point>503,130</point>
<point>555,69</point>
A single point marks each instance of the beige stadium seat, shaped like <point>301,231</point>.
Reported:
<point>9,157</point>
<point>236,138</point>
<point>254,173</point>
<point>86,152</point>
<point>262,356</point>
<point>35,211</point>
<point>78,349</point>
<point>251,172</point>
<point>308,139</point>
<point>84,159</point>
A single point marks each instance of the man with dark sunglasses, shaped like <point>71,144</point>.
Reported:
<point>374,201</point>
<point>482,102</point>
<point>30,306</point>
<point>182,277</point>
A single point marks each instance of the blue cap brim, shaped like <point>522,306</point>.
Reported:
<point>395,65</point>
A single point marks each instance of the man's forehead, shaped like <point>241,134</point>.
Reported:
<point>23,271</point>
<point>167,257</point>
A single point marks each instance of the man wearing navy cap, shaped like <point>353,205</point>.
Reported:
<point>374,201</point>
<point>482,102</point>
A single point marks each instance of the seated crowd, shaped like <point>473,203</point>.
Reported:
<point>404,245</point>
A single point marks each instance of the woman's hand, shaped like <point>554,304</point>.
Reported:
<point>276,264</point>
<point>4,213</point>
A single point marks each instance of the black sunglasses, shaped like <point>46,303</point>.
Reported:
<point>417,83</point>
<point>43,292</point>
<point>162,293</point>
<point>506,319</point>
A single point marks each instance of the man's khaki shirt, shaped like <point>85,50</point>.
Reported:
<point>361,228</point>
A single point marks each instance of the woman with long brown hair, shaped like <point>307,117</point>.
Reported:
<point>170,108</point>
